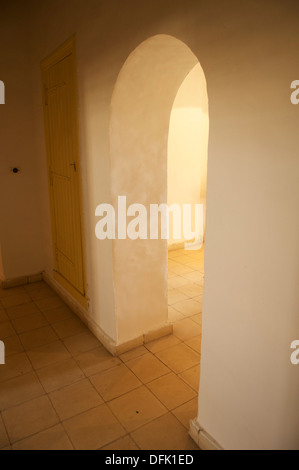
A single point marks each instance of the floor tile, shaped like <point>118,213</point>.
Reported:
<point>128,356</point>
<point>22,310</point>
<point>197,265</point>
<point>48,303</point>
<point>176,253</point>
<point>171,391</point>
<point>188,307</point>
<point>94,429</point>
<point>69,327</point>
<point>125,443</point>
<point>164,433</point>
<point>19,390</point>
<point>191,290</point>
<point>29,418</point>
<point>186,329</point>
<point>179,358</point>
<point>200,293</point>
<point>197,319</point>
<point>192,377</point>
<point>177,282</point>
<point>75,399</point>
<point>183,259</point>
<point>15,299</point>
<point>36,338</point>
<point>3,316</point>
<point>60,375</point>
<point>137,408</point>
<point>147,368</point>
<point>187,412</point>
<point>195,344</point>
<point>115,382</point>
<point>48,354</point>
<point>13,346</point>
<point>181,270</point>
<point>29,323</point>
<point>11,292</point>
<point>195,276</point>
<point>199,298</point>
<point>174,315</point>
<point>55,315</point>
<point>34,286</point>
<point>79,344</point>
<point>6,330</point>
<point>174,296</point>
<point>163,343</point>
<point>172,265</point>
<point>39,291</point>
<point>3,435</point>
<point>51,439</point>
<point>15,366</point>
<point>96,361</point>
<point>171,274</point>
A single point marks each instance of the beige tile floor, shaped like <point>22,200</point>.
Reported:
<point>60,389</point>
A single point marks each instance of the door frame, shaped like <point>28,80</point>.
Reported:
<point>66,49</point>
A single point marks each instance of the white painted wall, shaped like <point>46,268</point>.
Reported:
<point>188,146</point>
<point>20,211</point>
<point>249,53</point>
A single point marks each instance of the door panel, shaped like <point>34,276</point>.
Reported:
<point>60,109</point>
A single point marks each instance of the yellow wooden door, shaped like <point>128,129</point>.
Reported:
<point>61,127</point>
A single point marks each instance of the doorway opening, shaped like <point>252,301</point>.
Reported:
<point>187,175</point>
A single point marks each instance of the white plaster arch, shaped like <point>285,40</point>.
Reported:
<point>140,115</point>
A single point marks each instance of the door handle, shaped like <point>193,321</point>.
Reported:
<point>74,165</point>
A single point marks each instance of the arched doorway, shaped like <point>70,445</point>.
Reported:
<point>141,108</point>
<point>187,176</point>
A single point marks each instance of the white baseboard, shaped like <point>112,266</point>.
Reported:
<point>114,348</point>
<point>202,438</point>
<point>144,339</point>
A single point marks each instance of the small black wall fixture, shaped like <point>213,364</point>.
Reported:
<point>15,170</point>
